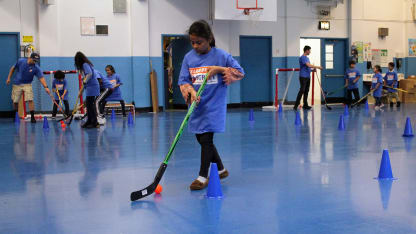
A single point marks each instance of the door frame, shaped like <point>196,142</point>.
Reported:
<point>270,70</point>
<point>163,64</point>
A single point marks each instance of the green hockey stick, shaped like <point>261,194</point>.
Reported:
<point>151,188</point>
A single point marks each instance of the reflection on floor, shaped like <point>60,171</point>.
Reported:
<point>283,179</point>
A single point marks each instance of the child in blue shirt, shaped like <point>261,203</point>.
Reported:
<point>391,80</point>
<point>377,86</point>
<point>115,80</point>
<point>91,87</point>
<point>209,116</point>
<point>59,87</point>
<point>352,76</point>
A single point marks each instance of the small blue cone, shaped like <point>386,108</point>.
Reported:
<point>130,119</point>
<point>45,123</point>
<point>341,124</point>
<point>346,111</point>
<point>408,131</point>
<point>297,119</point>
<point>385,167</point>
<point>251,115</point>
<point>17,118</point>
<point>280,108</point>
<point>113,114</point>
<point>366,105</point>
<point>214,185</point>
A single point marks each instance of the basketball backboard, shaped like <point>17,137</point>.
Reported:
<point>260,10</point>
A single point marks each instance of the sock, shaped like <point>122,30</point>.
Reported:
<point>32,114</point>
<point>223,170</point>
<point>202,179</point>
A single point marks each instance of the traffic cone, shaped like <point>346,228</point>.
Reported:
<point>16,118</point>
<point>297,119</point>
<point>113,114</point>
<point>408,131</point>
<point>251,115</point>
<point>341,124</point>
<point>214,185</point>
<point>45,123</point>
<point>280,108</point>
<point>130,119</point>
<point>346,111</point>
<point>385,167</point>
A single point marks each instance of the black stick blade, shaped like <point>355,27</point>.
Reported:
<point>134,196</point>
<point>328,107</point>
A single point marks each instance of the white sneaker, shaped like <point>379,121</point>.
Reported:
<point>376,108</point>
<point>101,120</point>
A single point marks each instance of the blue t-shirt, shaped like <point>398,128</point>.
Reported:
<point>390,77</point>
<point>25,72</point>
<point>104,83</point>
<point>377,79</point>
<point>92,87</point>
<point>351,75</point>
<point>116,95</point>
<point>305,71</point>
<point>209,115</point>
<point>60,86</point>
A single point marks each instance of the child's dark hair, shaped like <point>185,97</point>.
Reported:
<point>80,59</point>
<point>391,64</point>
<point>60,75</point>
<point>352,62</point>
<point>306,48</point>
<point>111,68</point>
<point>378,68</point>
<point>202,29</point>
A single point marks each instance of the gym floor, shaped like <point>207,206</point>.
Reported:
<point>283,179</point>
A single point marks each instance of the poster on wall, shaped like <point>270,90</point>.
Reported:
<point>87,26</point>
<point>367,51</point>
<point>358,46</point>
<point>412,47</point>
<point>384,58</point>
<point>376,57</point>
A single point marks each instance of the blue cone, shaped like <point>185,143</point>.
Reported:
<point>385,167</point>
<point>17,118</point>
<point>408,131</point>
<point>341,124</point>
<point>251,115</point>
<point>280,108</point>
<point>346,111</point>
<point>366,105</point>
<point>45,123</point>
<point>130,119</point>
<point>297,119</point>
<point>113,114</point>
<point>214,185</point>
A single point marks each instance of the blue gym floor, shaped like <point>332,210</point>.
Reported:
<point>283,179</point>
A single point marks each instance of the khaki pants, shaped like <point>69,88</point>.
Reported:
<point>391,96</point>
<point>17,92</point>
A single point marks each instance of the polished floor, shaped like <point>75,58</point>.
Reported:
<point>284,178</point>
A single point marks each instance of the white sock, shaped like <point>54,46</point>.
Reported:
<point>223,170</point>
<point>202,179</point>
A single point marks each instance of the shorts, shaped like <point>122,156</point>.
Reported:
<point>17,92</point>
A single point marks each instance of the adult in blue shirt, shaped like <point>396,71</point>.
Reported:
<point>26,69</point>
<point>305,78</point>
<point>352,76</point>
<point>391,80</point>
<point>91,87</point>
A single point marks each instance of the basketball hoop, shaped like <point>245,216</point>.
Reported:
<point>250,10</point>
<point>246,11</point>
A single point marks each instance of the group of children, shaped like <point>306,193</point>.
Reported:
<point>390,81</point>
<point>98,88</point>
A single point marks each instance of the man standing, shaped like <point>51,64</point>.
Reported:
<point>26,69</point>
<point>305,78</point>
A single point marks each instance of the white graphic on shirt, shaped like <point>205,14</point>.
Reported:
<point>374,80</point>
<point>198,76</point>
<point>59,87</point>
<point>351,74</point>
<point>113,82</point>
<point>390,77</point>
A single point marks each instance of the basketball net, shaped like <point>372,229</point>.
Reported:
<point>253,15</point>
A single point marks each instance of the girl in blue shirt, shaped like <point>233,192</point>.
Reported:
<point>59,87</point>
<point>209,116</point>
<point>377,86</point>
<point>115,80</point>
<point>91,87</point>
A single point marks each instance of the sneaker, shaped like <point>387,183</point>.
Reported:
<point>92,126</point>
<point>306,107</point>
<point>198,185</point>
<point>377,108</point>
<point>381,106</point>
<point>295,108</point>
<point>224,174</point>
<point>84,124</point>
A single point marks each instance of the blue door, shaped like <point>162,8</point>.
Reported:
<point>9,47</point>
<point>180,47</point>
<point>255,56</point>
<point>334,63</point>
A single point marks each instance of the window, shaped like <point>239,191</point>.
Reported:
<point>329,56</point>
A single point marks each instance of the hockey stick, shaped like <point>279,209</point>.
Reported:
<point>59,107</point>
<point>322,92</point>
<point>151,188</point>
<point>336,90</point>
<point>361,99</point>
<point>74,111</point>
<point>401,90</point>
